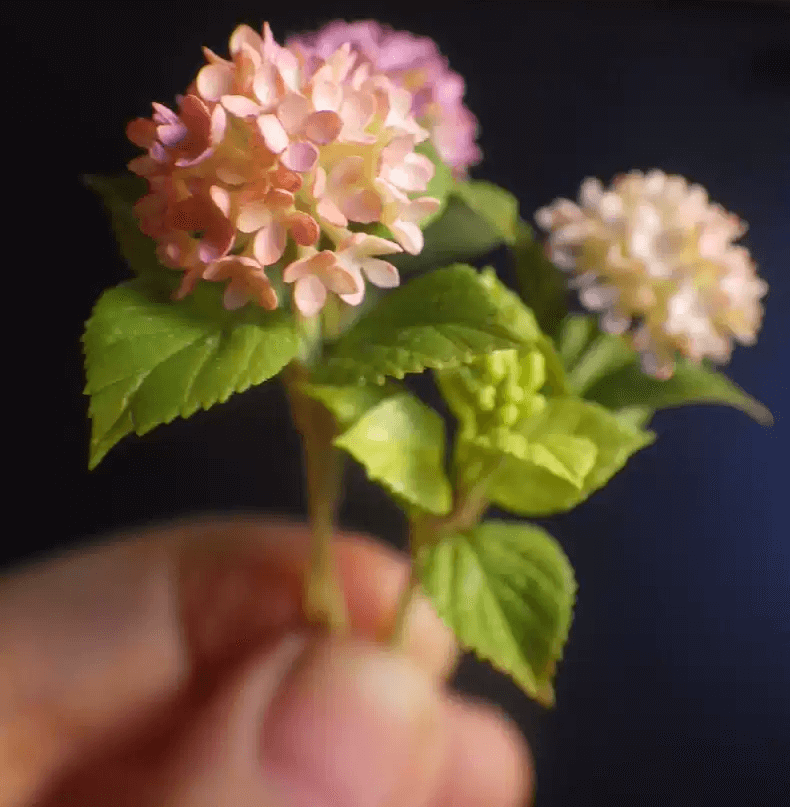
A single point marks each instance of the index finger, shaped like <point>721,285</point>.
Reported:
<point>94,643</point>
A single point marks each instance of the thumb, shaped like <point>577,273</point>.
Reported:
<point>312,723</point>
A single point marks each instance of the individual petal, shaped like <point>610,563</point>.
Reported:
<point>269,244</point>
<point>300,156</point>
<point>381,273</point>
<point>273,133</point>
<point>221,199</point>
<point>214,81</point>
<point>285,179</point>
<point>408,235</point>
<point>330,212</point>
<point>304,228</point>
<point>142,132</point>
<point>309,295</point>
<point>363,245</point>
<point>339,278</point>
<point>326,96</point>
<point>363,206</point>
<point>240,106</point>
<point>236,295</point>
<point>242,35</point>
<point>323,127</point>
<point>278,199</point>
<point>418,209</point>
<point>293,111</point>
<point>252,216</point>
<point>171,133</point>
<point>266,85</point>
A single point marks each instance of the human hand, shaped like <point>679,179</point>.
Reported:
<point>174,669</point>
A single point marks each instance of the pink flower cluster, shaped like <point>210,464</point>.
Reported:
<point>656,258</point>
<point>414,63</point>
<point>271,148</point>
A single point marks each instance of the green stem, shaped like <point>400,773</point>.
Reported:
<point>398,635</point>
<point>324,602</point>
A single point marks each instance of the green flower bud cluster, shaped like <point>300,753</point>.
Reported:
<point>503,390</point>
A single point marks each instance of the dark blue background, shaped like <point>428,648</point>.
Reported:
<point>675,687</point>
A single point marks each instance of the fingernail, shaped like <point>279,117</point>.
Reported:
<point>351,724</point>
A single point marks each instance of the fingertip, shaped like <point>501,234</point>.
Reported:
<point>488,762</point>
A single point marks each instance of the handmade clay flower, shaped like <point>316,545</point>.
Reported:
<point>658,260</point>
<point>434,92</point>
<point>269,149</point>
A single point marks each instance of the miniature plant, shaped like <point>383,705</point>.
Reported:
<point>305,214</point>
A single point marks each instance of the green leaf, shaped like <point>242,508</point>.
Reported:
<point>149,360</point>
<point>507,591</point>
<point>119,195</point>
<point>441,319</point>
<point>530,489</point>
<point>498,207</point>
<point>590,355</point>
<point>401,444</point>
<point>690,384</point>
<point>348,404</point>
<point>540,283</point>
<point>574,337</point>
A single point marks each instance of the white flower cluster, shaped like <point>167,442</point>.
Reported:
<point>657,259</point>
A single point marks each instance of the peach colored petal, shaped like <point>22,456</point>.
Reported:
<point>252,216</point>
<point>230,176</point>
<point>330,212</point>
<point>340,279</point>
<point>219,121</point>
<point>293,111</point>
<point>304,228</point>
<point>309,295</point>
<point>142,166</point>
<point>142,132</point>
<point>213,58</point>
<point>319,183</point>
<point>346,172</point>
<point>362,244</point>
<point>357,111</point>
<point>259,287</point>
<point>241,106</point>
<point>188,282</point>
<point>266,85</point>
<point>269,243</point>
<point>300,156</point>
<point>316,263</point>
<point>418,209</point>
<point>323,127</point>
<point>285,180</point>
<point>408,235</point>
<point>381,273</point>
<point>274,135</point>
<point>327,96</point>
<point>214,81</point>
<point>413,173</point>
<point>279,199</point>
<point>221,199</point>
<point>236,295</point>
<point>243,34</point>
<point>363,206</point>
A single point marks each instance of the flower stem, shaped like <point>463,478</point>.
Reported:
<point>324,602</point>
<point>398,635</point>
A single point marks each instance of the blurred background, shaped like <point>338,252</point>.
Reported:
<point>675,686</point>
